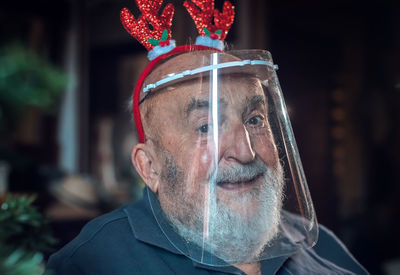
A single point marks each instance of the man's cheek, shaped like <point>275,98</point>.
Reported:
<point>208,163</point>
<point>205,159</point>
<point>267,151</point>
<point>197,166</point>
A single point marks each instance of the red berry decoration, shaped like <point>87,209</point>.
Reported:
<point>163,43</point>
<point>214,36</point>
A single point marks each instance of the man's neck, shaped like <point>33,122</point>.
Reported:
<point>250,268</point>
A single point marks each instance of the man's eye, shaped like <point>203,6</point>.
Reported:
<point>203,129</point>
<point>256,121</point>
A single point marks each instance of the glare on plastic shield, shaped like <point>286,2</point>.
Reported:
<point>234,191</point>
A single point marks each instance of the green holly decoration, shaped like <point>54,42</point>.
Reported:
<point>206,31</point>
<point>155,42</point>
<point>164,35</point>
<point>215,35</point>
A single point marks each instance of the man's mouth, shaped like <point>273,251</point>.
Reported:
<point>239,184</point>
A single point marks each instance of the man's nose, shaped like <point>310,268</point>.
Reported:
<point>235,144</point>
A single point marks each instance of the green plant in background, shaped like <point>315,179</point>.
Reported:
<point>26,79</point>
<point>20,262</point>
<point>24,235</point>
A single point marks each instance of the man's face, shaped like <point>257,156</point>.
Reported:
<point>231,182</point>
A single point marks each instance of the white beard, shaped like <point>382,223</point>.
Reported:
<point>233,237</point>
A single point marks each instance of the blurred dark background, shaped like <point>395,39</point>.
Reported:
<point>339,71</point>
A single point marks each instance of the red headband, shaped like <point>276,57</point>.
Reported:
<point>157,38</point>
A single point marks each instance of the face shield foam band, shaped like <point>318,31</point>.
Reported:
<point>172,77</point>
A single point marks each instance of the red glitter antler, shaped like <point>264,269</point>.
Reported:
<point>202,12</point>
<point>160,24</point>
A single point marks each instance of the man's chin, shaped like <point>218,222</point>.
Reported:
<point>243,243</point>
<point>242,201</point>
<point>237,231</point>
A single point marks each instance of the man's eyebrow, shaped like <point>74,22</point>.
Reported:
<point>254,101</point>
<point>200,104</point>
<point>196,104</point>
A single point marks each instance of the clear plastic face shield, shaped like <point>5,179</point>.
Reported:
<point>231,188</point>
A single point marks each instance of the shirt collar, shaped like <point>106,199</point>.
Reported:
<point>144,225</point>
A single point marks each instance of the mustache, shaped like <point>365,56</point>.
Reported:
<point>238,172</point>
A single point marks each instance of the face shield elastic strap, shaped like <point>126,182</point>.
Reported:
<point>173,77</point>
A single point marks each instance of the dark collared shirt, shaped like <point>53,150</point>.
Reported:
<point>129,241</point>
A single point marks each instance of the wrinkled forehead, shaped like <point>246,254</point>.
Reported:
<point>235,94</point>
<point>229,82</point>
<point>230,87</point>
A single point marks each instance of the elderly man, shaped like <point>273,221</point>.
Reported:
<point>226,193</point>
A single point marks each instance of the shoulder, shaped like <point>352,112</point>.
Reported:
<point>331,248</point>
<point>328,255</point>
<point>102,239</point>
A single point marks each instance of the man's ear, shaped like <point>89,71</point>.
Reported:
<point>143,161</point>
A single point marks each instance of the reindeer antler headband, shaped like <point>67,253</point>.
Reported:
<point>153,31</point>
